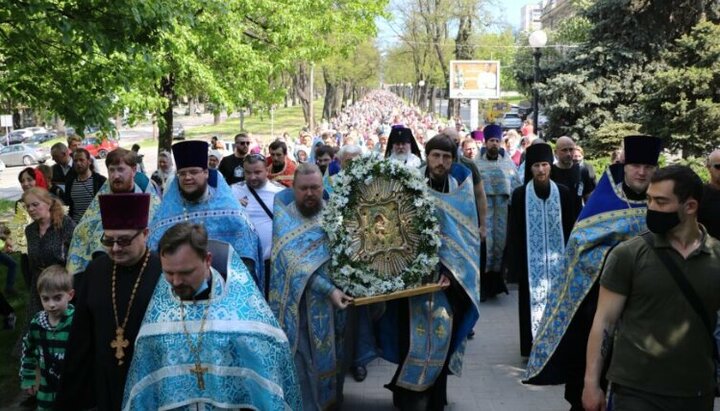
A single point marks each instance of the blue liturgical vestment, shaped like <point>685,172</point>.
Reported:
<point>86,237</point>
<point>431,315</point>
<point>499,178</point>
<point>244,354</point>
<point>220,213</point>
<point>299,297</point>
<point>607,219</point>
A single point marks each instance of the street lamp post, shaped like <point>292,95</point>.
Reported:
<point>537,40</point>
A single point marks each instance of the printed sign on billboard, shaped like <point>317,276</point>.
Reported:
<point>474,79</point>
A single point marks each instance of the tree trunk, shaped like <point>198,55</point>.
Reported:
<point>192,105</point>
<point>330,100</point>
<point>167,90</point>
<point>216,118</point>
<point>302,89</point>
<point>433,99</point>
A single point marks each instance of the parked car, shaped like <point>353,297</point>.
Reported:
<point>99,148</point>
<point>23,154</point>
<point>17,137</point>
<point>41,137</point>
<point>37,130</point>
<point>511,121</point>
<point>178,132</point>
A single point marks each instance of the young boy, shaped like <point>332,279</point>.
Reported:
<point>44,344</point>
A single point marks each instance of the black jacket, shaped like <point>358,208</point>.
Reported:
<point>98,181</point>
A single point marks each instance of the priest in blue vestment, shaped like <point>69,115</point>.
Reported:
<point>615,212</point>
<point>191,197</point>
<point>309,307</point>
<point>540,221</point>
<point>122,178</point>
<point>499,178</point>
<point>426,334</point>
<point>208,340</point>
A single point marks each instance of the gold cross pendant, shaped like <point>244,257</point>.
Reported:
<point>119,344</point>
<point>199,372</point>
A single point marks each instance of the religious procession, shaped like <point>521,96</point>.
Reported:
<point>261,280</point>
<point>354,205</point>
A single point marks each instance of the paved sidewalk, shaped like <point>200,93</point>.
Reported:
<point>491,373</point>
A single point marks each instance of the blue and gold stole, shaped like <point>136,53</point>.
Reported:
<point>300,250</point>
<point>244,357</point>
<point>545,248</point>
<point>431,316</point>
<point>607,219</point>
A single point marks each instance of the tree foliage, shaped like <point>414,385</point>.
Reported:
<point>87,60</point>
<point>607,79</point>
<point>682,104</point>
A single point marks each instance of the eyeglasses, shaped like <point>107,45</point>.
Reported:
<point>257,156</point>
<point>121,242</point>
<point>716,166</point>
<point>242,143</point>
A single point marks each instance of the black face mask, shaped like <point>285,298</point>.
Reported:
<point>660,223</point>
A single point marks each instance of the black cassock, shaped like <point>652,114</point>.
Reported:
<point>517,250</point>
<point>92,376</point>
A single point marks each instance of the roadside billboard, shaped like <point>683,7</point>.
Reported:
<point>475,79</point>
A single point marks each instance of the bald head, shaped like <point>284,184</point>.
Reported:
<point>713,165</point>
<point>564,150</point>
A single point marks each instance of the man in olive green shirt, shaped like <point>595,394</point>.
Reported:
<point>662,357</point>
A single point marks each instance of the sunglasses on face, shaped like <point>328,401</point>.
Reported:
<point>121,242</point>
<point>242,143</point>
<point>716,166</point>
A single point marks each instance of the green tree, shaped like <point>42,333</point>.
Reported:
<point>682,104</point>
<point>603,79</point>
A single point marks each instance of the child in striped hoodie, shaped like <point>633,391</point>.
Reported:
<point>45,342</point>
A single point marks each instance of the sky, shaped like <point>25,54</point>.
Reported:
<point>507,11</point>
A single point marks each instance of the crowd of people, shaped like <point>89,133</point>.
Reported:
<point>207,283</point>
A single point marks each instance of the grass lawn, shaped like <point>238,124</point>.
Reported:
<point>288,120</point>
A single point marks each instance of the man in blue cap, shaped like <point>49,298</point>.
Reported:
<point>615,212</point>
<point>499,178</point>
<point>191,197</point>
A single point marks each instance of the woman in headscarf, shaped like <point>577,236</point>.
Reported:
<point>164,172</point>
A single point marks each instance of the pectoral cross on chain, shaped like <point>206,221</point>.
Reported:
<point>119,344</point>
<point>199,372</point>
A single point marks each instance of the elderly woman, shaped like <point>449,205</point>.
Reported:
<point>48,237</point>
<point>164,172</point>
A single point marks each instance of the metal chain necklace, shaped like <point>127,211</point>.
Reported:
<point>198,369</point>
<point>120,342</point>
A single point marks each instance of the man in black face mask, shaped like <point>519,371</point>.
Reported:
<point>614,212</point>
<point>665,284</point>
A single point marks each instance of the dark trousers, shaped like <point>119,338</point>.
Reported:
<point>5,307</point>
<point>266,291</point>
<point>11,265</point>
<point>629,399</point>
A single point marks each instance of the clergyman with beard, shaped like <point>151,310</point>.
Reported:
<point>499,178</point>
<point>402,147</point>
<point>302,295</point>
<point>122,178</point>
<point>189,197</point>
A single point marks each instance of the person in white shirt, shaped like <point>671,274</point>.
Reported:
<point>257,195</point>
